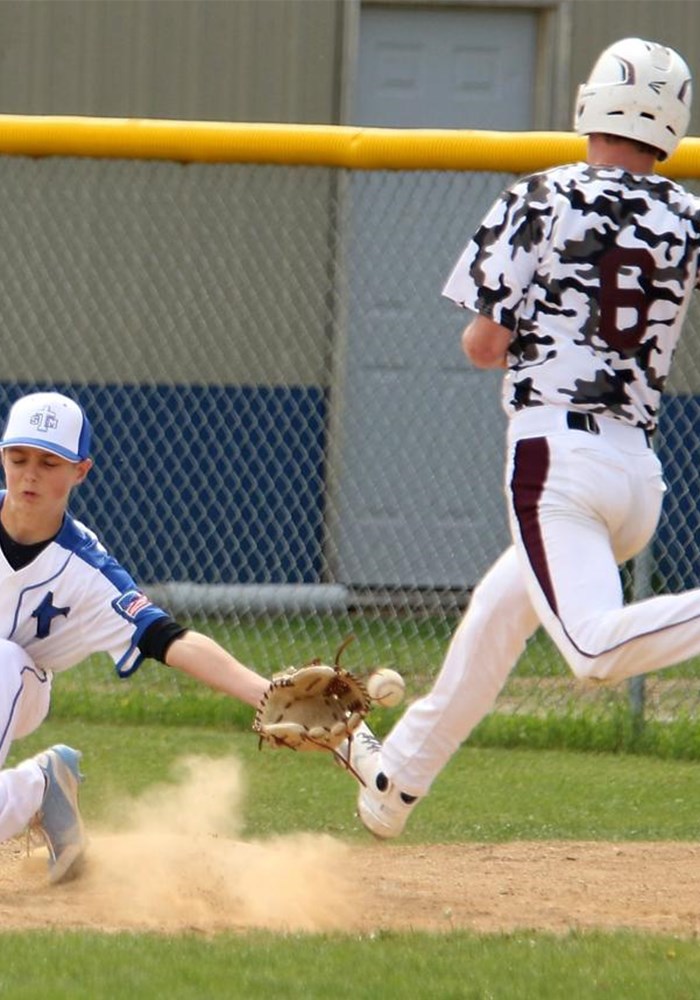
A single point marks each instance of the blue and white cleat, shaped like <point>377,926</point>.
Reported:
<point>59,821</point>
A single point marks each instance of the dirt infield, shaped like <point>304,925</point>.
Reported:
<point>182,865</point>
<point>209,884</point>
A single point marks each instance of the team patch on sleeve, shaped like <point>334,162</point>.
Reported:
<point>131,605</point>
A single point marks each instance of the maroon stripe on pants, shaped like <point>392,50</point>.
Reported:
<point>530,468</point>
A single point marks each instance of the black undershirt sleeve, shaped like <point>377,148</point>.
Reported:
<point>156,639</point>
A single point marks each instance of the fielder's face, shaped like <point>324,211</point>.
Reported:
<point>39,484</point>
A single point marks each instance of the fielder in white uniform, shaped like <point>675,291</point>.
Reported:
<point>63,597</point>
<point>580,278</point>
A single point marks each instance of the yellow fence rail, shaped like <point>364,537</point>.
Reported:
<point>313,145</point>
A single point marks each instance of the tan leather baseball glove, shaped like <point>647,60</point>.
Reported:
<point>314,707</point>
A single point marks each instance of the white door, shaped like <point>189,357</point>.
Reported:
<point>419,470</point>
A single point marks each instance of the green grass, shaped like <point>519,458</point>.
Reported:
<point>484,794</point>
<point>93,692</point>
<point>615,732</point>
<point>584,770</point>
<point>454,967</point>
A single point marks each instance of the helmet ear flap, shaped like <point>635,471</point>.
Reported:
<point>637,90</point>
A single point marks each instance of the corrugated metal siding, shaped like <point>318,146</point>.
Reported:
<point>251,60</point>
<point>224,60</point>
<point>162,272</point>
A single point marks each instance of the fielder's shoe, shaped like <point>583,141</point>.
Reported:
<point>58,820</point>
<point>381,806</point>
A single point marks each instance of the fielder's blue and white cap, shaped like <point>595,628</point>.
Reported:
<point>50,421</point>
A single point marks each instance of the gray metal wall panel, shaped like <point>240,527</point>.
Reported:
<point>252,60</point>
<point>223,60</point>
<point>137,272</point>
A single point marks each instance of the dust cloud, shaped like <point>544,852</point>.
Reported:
<point>174,860</point>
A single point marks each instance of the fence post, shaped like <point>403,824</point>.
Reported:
<point>642,569</point>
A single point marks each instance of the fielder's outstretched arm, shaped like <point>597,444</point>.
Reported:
<point>205,660</point>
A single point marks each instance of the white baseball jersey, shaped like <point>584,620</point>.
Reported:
<point>592,269</point>
<point>72,600</point>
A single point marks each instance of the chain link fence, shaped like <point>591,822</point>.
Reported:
<point>288,443</point>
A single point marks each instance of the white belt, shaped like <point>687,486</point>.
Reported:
<point>540,421</point>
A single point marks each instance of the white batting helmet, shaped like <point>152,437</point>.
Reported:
<point>638,90</point>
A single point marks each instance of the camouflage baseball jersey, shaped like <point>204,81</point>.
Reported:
<point>592,268</point>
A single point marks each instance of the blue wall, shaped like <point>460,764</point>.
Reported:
<point>226,485</point>
<point>204,484</point>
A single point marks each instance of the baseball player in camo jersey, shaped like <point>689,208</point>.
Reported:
<point>580,278</point>
<point>64,597</point>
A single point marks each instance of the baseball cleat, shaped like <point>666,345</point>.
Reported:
<point>58,820</point>
<point>360,754</point>
<point>381,806</point>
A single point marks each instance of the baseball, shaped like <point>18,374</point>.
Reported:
<point>386,687</point>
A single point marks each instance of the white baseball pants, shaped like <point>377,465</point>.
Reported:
<point>25,693</point>
<point>580,504</point>
<point>484,649</point>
